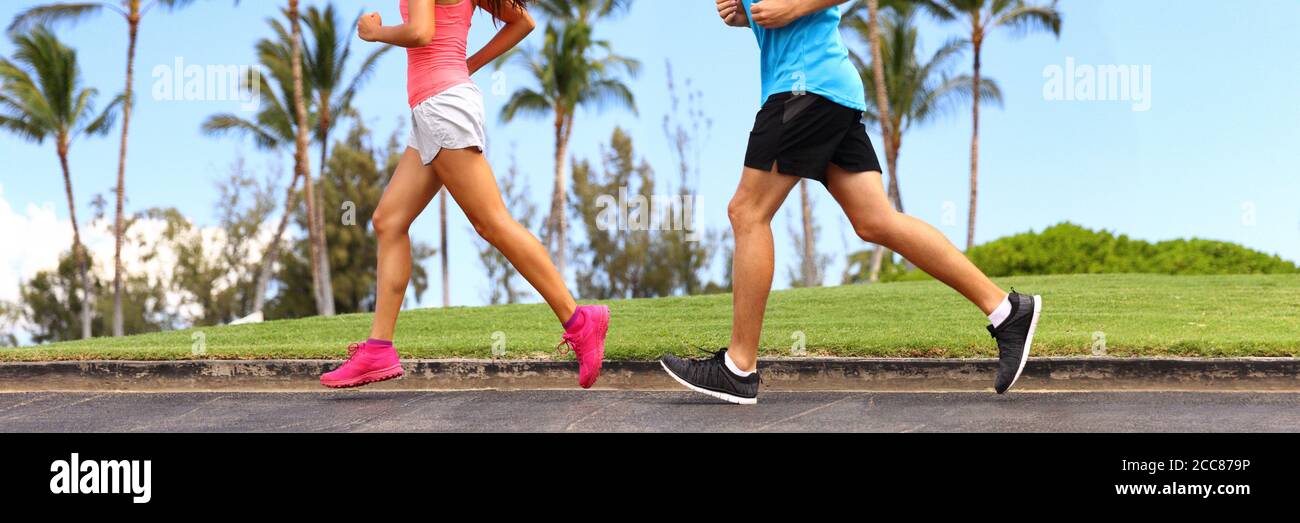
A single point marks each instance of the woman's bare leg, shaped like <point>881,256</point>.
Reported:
<point>412,188</point>
<point>471,183</point>
<point>862,196</point>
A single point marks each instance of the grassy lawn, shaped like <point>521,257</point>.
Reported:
<point>1140,315</point>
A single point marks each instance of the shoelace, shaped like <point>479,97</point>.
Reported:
<point>719,355</point>
<point>569,342</point>
<point>713,354</point>
<point>353,349</point>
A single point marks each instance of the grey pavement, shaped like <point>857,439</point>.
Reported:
<point>632,411</point>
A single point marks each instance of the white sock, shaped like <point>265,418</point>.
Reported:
<point>1000,314</point>
<point>731,366</point>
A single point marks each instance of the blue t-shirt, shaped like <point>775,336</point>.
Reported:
<point>808,55</point>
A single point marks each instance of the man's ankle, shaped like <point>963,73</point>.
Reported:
<point>743,364</point>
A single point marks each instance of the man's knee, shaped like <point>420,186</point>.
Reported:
<point>876,227</point>
<point>746,215</point>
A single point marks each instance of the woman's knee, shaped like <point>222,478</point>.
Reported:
<point>388,225</point>
<point>492,227</point>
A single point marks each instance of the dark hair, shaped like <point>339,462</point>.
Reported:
<point>494,6</point>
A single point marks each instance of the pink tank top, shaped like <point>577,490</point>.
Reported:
<point>440,65</point>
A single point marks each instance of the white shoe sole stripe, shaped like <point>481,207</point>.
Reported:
<point>1029,340</point>
<point>719,395</point>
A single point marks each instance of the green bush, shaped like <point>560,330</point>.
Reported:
<point>1067,248</point>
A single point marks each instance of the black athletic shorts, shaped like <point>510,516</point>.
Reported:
<point>802,135</point>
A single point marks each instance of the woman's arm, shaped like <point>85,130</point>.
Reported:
<point>418,32</point>
<point>517,26</point>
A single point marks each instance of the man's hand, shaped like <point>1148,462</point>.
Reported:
<point>368,27</point>
<point>732,13</point>
<point>775,14</point>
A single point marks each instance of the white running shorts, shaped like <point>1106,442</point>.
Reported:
<point>452,119</point>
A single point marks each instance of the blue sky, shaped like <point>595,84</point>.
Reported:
<point>1216,155</point>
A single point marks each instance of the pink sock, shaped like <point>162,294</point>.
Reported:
<point>576,321</point>
<point>372,342</point>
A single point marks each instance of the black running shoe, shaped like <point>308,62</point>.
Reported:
<point>711,376</point>
<point>1014,336</point>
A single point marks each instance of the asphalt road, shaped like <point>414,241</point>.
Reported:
<point>622,411</point>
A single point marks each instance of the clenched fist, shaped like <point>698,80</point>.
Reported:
<point>368,26</point>
<point>775,14</point>
<point>732,13</point>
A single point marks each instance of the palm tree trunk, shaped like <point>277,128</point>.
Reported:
<point>78,250</point>
<point>895,196</point>
<point>327,280</point>
<point>133,23</point>
<point>320,276</point>
<point>273,249</point>
<point>446,268</point>
<point>556,223</point>
<point>810,276</point>
<point>887,125</point>
<point>976,43</point>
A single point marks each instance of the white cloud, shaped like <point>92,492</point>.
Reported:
<point>33,240</point>
<point>36,237</point>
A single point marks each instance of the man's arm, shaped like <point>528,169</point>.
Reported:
<point>775,14</point>
<point>733,13</point>
<point>418,32</point>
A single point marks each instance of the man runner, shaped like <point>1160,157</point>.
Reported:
<point>810,126</point>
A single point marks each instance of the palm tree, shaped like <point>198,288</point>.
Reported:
<point>320,273</point>
<point>133,12</point>
<point>326,57</point>
<point>273,128</point>
<point>41,96</point>
<point>983,17</point>
<point>907,92</point>
<point>569,75</point>
<point>586,10</point>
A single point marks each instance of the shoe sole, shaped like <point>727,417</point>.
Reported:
<point>719,395</point>
<point>1029,341</point>
<point>600,362</point>
<point>374,376</point>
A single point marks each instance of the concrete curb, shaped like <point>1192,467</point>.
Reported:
<point>788,374</point>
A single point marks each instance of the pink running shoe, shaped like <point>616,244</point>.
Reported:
<point>366,364</point>
<point>587,341</point>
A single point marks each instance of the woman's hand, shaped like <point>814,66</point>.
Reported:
<point>368,27</point>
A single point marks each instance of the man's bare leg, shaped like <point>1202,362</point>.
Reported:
<point>862,196</point>
<point>751,210</point>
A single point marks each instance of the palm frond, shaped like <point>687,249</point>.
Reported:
<point>1023,19</point>
<point>363,74</point>
<point>24,129</point>
<point>224,124</point>
<point>605,93</point>
<point>68,12</point>
<point>104,121</point>
<point>525,102</point>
